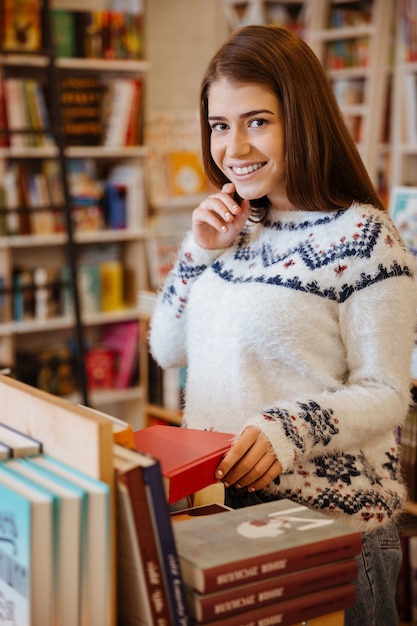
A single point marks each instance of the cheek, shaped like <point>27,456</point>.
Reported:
<point>217,152</point>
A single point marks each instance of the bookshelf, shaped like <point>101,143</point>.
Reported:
<point>81,267</point>
<point>404,101</point>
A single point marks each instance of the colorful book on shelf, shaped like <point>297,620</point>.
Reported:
<point>295,610</point>
<point>257,542</point>
<point>27,546</point>
<point>142,505</point>
<point>15,113</point>
<point>68,501</point>
<point>123,338</point>
<point>188,457</point>
<point>95,547</point>
<point>21,29</point>
<point>221,604</point>
<point>19,443</point>
<point>117,107</point>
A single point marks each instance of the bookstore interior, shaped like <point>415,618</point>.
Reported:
<point>100,169</point>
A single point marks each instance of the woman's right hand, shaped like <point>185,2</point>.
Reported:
<point>218,220</point>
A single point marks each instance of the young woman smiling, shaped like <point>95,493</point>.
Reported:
<point>292,302</point>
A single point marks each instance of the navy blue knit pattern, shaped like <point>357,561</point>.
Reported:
<point>358,246</point>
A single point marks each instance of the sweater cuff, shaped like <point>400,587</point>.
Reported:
<point>199,255</point>
<point>284,449</point>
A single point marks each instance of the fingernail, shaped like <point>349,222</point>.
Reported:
<point>251,489</point>
<point>227,216</point>
<point>219,473</point>
<point>224,229</point>
<point>225,484</point>
<point>238,486</point>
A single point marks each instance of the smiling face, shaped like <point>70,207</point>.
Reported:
<point>247,139</point>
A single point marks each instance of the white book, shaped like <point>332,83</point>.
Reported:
<point>5,452</point>
<point>120,97</point>
<point>96,558</point>
<point>13,97</point>
<point>68,509</point>
<point>20,444</point>
<point>30,511</point>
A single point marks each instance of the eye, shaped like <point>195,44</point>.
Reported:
<point>257,123</point>
<point>219,127</point>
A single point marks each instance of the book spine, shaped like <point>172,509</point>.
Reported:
<point>277,589</point>
<point>301,609</point>
<point>168,549</point>
<point>271,564</point>
<point>145,530</point>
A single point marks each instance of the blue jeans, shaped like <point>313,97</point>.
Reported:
<point>376,585</point>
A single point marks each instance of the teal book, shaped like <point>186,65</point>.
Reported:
<point>26,552</point>
<point>95,537</point>
<point>67,534</point>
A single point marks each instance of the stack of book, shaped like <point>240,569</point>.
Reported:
<point>275,562</point>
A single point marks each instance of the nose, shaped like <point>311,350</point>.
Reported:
<point>238,143</point>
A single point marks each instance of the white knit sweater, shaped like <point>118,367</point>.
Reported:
<point>303,328</point>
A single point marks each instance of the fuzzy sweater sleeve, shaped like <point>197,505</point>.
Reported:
<point>377,324</point>
<point>167,335</point>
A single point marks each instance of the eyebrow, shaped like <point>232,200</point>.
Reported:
<point>213,118</point>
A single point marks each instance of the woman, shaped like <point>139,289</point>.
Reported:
<point>292,302</point>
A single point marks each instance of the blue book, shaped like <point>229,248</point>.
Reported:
<point>67,549</point>
<point>96,605</point>
<point>26,549</point>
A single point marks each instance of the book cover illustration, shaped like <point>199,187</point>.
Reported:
<point>260,541</point>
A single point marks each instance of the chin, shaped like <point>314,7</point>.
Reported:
<point>249,195</point>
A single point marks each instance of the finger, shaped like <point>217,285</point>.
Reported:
<point>203,216</point>
<point>236,452</point>
<point>229,188</point>
<point>263,481</point>
<point>253,465</point>
<point>264,470</point>
<point>223,205</point>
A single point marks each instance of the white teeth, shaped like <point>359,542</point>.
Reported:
<point>248,169</point>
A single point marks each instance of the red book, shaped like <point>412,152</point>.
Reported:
<point>294,611</point>
<point>141,589</point>
<point>258,542</point>
<point>188,457</point>
<point>220,604</point>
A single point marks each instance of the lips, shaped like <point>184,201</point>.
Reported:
<point>247,169</point>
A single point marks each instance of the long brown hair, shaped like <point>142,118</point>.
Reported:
<point>324,170</point>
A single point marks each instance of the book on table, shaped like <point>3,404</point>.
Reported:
<point>257,542</point>
<point>293,611</point>
<point>277,589</point>
<point>188,457</point>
